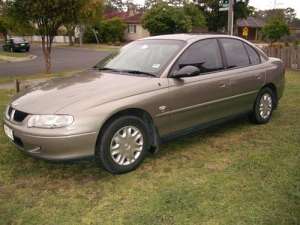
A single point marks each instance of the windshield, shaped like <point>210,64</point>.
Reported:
<point>18,40</point>
<point>145,56</point>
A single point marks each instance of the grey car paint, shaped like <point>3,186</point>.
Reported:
<point>93,97</point>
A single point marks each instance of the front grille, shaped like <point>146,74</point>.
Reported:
<point>16,115</point>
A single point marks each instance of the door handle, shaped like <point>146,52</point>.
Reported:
<point>258,77</point>
<point>222,85</point>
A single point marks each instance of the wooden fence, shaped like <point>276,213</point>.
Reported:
<point>289,55</point>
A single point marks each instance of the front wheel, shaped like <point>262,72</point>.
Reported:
<point>123,145</point>
<point>263,106</point>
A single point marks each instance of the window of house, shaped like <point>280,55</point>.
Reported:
<point>131,28</point>
<point>235,53</point>
<point>204,54</point>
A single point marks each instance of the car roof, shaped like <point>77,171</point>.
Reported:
<point>188,37</point>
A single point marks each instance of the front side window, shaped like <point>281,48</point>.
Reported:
<point>235,53</point>
<point>204,54</point>
<point>148,56</point>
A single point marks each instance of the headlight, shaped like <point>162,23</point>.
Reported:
<point>50,121</point>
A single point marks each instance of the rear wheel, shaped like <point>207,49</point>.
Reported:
<point>123,145</point>
<point>264,106</point>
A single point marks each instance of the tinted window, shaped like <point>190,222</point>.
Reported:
<point>254,57</point>
<point>235,53</point>
<point>204,54</point>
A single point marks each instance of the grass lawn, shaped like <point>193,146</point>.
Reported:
<point>236,174</point>
<point>100,47</point>
<point>14,56</point>
<point>10,79</point>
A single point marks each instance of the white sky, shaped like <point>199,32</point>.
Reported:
<point>270,4</point>
<point>265,4</point>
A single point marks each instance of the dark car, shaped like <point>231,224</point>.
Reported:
<point>16,45</point>
<point>153,89</point>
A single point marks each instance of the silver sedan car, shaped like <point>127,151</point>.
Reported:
<point>152,89</point>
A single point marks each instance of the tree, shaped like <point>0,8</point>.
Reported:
<point>89,16</point>
<point>216,19</point>
<point>165,19</point>
<point>196,15</point>
<point>290,14</point>
<point>113,5</point>
<point>47,16</point>
<point>275,29</point>
<point>73,18</point>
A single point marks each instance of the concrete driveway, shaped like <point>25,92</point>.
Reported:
<point>63,59</point>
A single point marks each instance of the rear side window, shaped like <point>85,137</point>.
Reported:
<point>254,57</point>
<point>235,53</point>
<point>203,54</point>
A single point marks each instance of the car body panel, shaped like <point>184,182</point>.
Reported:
<point>11,46</point>
<point>93,97</point>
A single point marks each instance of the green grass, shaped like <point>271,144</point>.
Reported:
<point>13,54</point>
<point>100,47</point>
<point>234,174</point>
<point>9,79</point>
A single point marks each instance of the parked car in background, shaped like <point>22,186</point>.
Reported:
<point>153,89</point>
<point>16,44</point>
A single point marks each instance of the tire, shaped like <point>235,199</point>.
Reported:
<point>115,131</point>
<point>264,106</point>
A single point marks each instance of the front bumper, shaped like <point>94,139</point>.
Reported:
<point>54,148</point>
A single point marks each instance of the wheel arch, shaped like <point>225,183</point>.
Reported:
<point>140,113</point>
<point>274,89</point>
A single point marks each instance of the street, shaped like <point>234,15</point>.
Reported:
<point>63,59</point>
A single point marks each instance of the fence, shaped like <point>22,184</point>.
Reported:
<point>57,39</point>
<point>289,55</point>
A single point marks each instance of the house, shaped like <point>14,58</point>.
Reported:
<point>133,19</point>
<point>250,28</point>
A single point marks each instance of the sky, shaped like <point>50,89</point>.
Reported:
<point>270,4</point>
<point>265,4</point>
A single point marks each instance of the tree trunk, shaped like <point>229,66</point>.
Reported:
<point>96,36</point>
<point>71,42</point>
<point>70,31</point>
<point>81,32</point>
<point>47,47</point>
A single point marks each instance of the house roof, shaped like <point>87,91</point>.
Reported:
<point>251,22</point>
<point>136,18</point>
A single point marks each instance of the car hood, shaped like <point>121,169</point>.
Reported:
<point>86,89</point>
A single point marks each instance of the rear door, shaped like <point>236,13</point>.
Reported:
<point>247,76</point>
<point>201,98</point>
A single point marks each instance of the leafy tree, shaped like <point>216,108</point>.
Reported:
<point>113,5</point>
<point>90,15</point>
<point>73,18</point>
<point>165,19</point>
<point>216,19</point>
<point>47,16</point>
<point>275,29</point>
<point>290,14</point>
<point>111,30</point>
<point>196,15</point>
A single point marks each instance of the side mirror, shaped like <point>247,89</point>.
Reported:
<point>186,71</point>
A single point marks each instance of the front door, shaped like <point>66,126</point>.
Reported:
<point>201,98</point>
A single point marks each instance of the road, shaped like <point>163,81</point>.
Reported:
<point>63,59</point>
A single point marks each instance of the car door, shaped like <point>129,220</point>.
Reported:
<point>247,75</point>
<point>201,98</point>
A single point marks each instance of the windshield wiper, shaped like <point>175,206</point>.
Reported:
<point>109,69</point>
<point>139,72</point>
